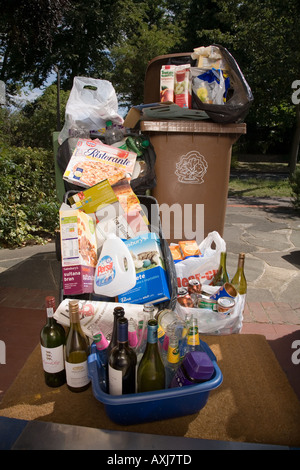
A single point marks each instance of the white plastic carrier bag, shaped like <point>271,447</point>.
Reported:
<point>91,103</point>
<point>203,268</point>
<point>206,265</point>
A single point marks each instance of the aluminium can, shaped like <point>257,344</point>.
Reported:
<point>206,302</point>
<point>225,305</point>
<point>184,298</point>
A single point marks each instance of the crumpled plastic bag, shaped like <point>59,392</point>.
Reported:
<point>91,103</point>
<point>209,85</point>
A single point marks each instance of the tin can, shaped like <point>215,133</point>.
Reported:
<point>227,290</point>
<point>184,298</point>
<point>206,302</point>
<point>194,286</point>
<point>225,305</point>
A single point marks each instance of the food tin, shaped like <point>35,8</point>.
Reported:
<point>227,290</point>
<point>206,302</point>
<point>184,298</point>
<point>194,286</point>
<point>225,305</point>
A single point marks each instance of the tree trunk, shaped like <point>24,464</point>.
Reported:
<point>296,142</point>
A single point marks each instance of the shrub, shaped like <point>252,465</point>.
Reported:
<point>28,203</point>
<point>295,185</point>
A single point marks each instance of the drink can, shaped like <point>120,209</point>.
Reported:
<point>225,305</point>
<point>227,290</point>
<point>184,298</point>
<point>206,302</point>
<point>194,286</point>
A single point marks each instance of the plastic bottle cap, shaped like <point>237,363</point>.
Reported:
<point>198,365</point>
<point>108,123</point>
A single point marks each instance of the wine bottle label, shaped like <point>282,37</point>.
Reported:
<point>77,374</point>
<point>115,381</point>
<point>53,359</point>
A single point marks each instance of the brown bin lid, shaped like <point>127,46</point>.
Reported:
<point>189,126</point>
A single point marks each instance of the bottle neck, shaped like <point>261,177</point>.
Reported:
<point>50,309</point>
<point>241,262</point>
<point>74,315</point>
<point>122,332</point>
<point>152,332</point>
<point>223,259</point>
<point>193,336</point>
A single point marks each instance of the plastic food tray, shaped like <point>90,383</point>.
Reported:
<point>144,407</point>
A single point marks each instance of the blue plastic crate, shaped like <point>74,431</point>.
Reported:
<point>144,407</point>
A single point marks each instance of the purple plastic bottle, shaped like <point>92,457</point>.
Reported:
<point>195,368</point>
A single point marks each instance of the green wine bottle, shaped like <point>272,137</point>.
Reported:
<point>151,371</point>
<point>118,313</point>
<point>239,279</point>
<point>77,351</point>
<point>52,340</point>
<point>122,363</point>
<point>221,275</point>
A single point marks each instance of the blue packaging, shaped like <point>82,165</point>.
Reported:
<point>151,277</point>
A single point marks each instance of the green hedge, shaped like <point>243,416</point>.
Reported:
<point>28,202</point>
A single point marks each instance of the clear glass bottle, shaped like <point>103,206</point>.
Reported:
<point>193,340</point>
<point>151,370</point>
<point>52,341</point>
<point>76,352</point>
<point>122,363</point>
<point>221,275</point>
<point>239,279</point>
<point>173,360</point>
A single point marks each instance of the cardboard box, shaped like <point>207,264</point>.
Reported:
<point>151,279</point>
<point>78,251</point>
<point>92,162</point>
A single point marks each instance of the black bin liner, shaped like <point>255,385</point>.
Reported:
<point>240,95</point>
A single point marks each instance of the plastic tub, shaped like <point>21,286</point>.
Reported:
<point>144,407</point>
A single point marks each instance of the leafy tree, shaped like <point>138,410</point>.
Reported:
<point>26,39</point>
<point>34,124</point>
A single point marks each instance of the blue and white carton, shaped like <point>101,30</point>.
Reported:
<point>151,277</point>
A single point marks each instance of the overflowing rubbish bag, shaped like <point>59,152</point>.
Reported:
<point>91,103</point>
<point>238,96</point>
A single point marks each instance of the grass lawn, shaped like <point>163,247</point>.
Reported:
<point>255,179</point>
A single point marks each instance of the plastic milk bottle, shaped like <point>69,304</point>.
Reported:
<point>115,270</point>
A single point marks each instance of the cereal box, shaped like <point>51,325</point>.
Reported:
<point>78,250</point>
